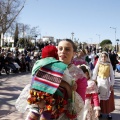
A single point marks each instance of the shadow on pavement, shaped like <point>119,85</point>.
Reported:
<point>117,86</point>
<point>8,97</point>
<point>115,116</point>
<point>13,75</point>
<point>117,77</point>
<point>117,97</point>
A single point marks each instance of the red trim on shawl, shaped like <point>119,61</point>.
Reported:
<point>52,72</point>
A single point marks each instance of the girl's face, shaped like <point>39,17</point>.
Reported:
<point>103,57</point>
<point>65,52</point>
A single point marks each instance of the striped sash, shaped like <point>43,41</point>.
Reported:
<point>48,78</point>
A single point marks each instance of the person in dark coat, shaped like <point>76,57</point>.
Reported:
<point>113,59</point>
<point>2,63</point>
<point>9,62</point>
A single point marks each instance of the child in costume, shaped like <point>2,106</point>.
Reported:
<point>103,73</point>
<point>48,98</point>
<point>66,51</point>
<point>92,106</point>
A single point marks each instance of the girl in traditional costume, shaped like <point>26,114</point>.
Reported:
<point>66,52</point>
<point>92,106</point>
<point>103,73</point>
<point>57,107</point>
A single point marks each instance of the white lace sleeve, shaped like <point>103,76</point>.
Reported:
<point>111,75</point>
<point>21,103</point>
<point>79,106</point>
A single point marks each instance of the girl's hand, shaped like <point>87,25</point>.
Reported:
<point>111,88</point>
<point>97,113</point>
<point>74,87</point>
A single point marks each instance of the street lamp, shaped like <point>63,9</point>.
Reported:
<point>117,40</point>
<point>99,37</point>
<point>115,32</point>
<point>72,35</point>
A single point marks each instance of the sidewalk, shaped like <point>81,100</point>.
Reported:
<point>11,86</point>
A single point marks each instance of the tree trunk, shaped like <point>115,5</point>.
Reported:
<point>2,40</point>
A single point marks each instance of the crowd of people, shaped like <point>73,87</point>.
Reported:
<point>17,61</point>
<point>67,83</point>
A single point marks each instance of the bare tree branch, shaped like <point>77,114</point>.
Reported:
<point>9,11</point>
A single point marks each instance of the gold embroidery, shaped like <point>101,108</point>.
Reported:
<point>104,70</point>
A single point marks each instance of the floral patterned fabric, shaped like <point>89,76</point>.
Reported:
<point>91,102</point>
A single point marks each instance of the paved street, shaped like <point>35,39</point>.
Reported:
<point>11,86</point>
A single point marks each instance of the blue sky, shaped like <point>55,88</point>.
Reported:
<point>86,18</point>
